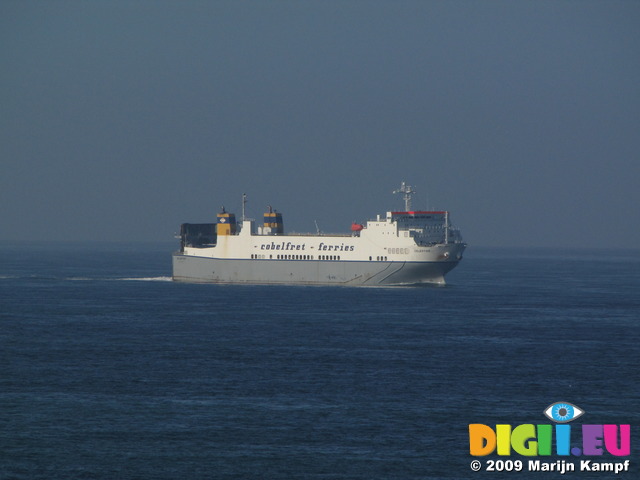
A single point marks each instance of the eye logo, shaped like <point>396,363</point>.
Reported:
<point>563,412</point>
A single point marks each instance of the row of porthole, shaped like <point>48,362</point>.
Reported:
<point>398,250</point>
<point>256,256</point>
<point>294,257</point>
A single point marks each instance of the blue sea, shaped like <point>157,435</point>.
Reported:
<point>109,370</point>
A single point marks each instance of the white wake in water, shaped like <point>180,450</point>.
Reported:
<point>86,279</point>
<point>147,279</point>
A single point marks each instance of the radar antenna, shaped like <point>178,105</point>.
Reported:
<point>407,190</point>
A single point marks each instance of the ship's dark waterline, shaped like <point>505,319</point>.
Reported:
<point>108,370</point>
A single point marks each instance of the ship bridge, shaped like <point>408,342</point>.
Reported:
<point>425,227</point>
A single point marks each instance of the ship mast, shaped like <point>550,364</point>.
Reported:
<point>407,190</point>
<point>244,203</point>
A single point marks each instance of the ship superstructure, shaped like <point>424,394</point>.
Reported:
<point>401,248</point>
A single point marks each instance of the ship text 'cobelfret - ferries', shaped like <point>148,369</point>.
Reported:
<point>403,248</point>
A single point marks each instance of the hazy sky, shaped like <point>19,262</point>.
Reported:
<point>121,120</point>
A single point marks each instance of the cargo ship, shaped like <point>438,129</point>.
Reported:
<point>409,247</point>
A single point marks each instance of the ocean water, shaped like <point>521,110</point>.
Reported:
<point>109,370</point>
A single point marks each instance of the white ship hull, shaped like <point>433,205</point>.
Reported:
<point>197,269</point>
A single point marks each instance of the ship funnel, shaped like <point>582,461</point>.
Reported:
<point>272,223</point>
<point>226,223</point>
